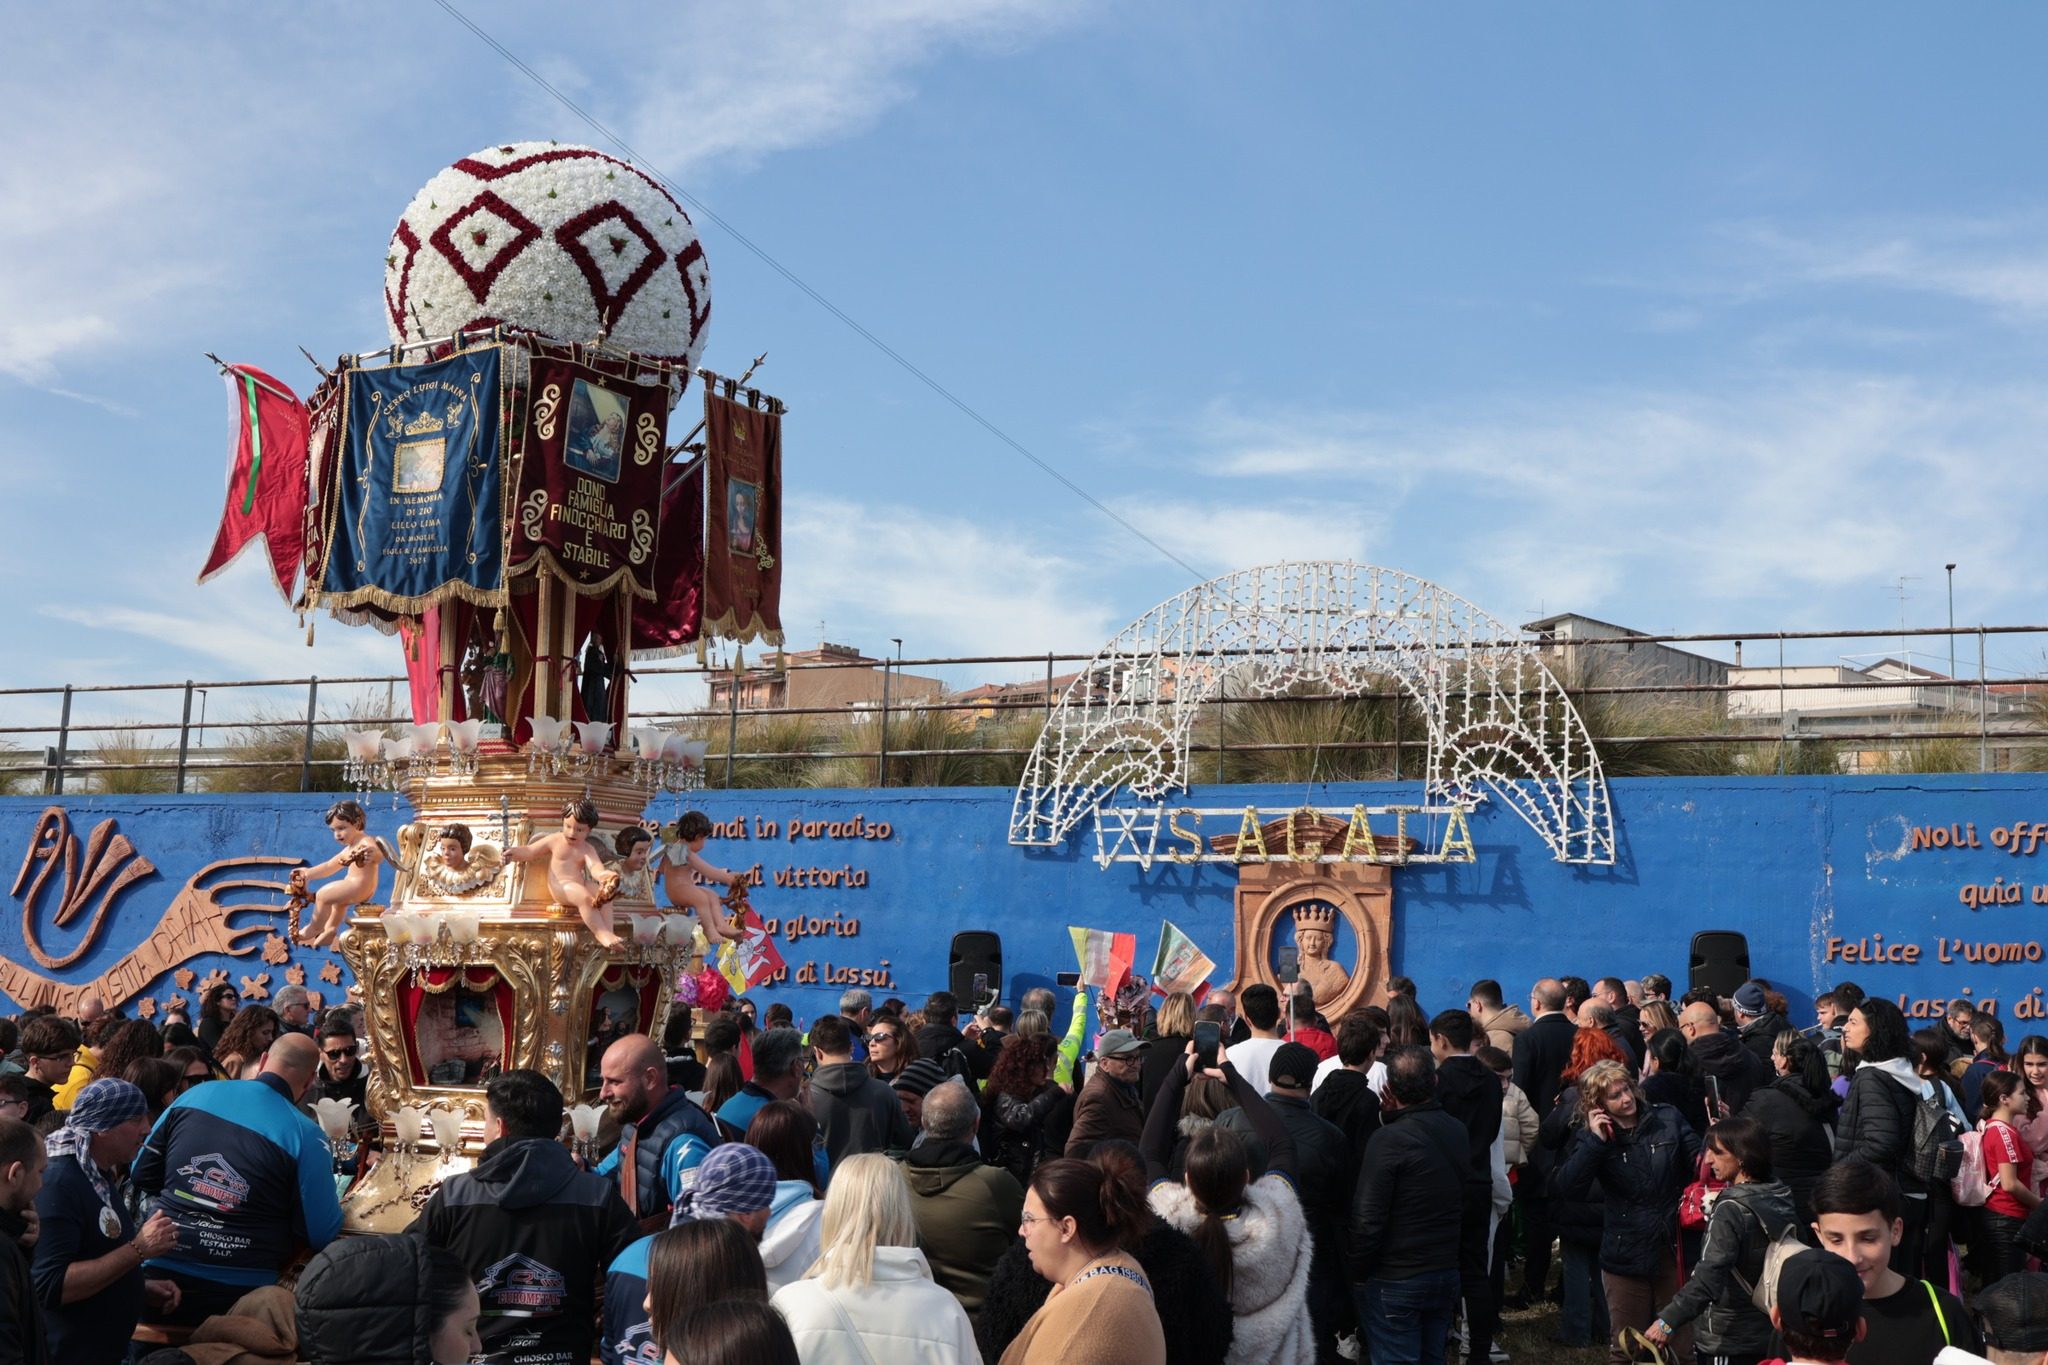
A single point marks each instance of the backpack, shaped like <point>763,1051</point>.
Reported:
<point>1937,1151</point>
<point>1971,1186</point>
<point>1779,1247</point>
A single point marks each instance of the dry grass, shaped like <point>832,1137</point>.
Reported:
<point>133,765</point>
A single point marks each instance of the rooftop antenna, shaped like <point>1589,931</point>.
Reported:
<point>1903,579</point>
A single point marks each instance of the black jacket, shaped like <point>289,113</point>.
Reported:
<point>21,1317</point>
<point>1797,1124</point>
<point>1407,1211</point>
<point>364,1298</point>
<point>1745,1219</point>
<point>1347,1101</point>
<point>1542,1052</point>
<point>1723,1057</point>
<point>1683,1092</point>
<point>1629,1038</point>
<point>1760,1036</point>
<point>1319,1161</point>
<point>1193,1313</point>
<point>1578,1218</point>
<point>1015,1131</point>
<point>1877,1124</point>
<point>1642,1171</point>
<point>537,1233</point>
<point>939,1041</point>
<point>1164,1055</point>
<point>857,1113</point>
<point>1471,1094</point>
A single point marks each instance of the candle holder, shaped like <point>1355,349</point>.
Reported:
<point>589,759</point>
<point>546,751</point>
<point>583,1121</point>
<point>447,1125</point>
<point>463,738</point>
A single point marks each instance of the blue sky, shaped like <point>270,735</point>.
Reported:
<point>1694,319</point>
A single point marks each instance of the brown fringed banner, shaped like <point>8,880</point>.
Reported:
<point>742,517</point>
<point>590,482</point>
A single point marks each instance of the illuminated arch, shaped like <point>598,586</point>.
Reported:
<point>1499,723</point>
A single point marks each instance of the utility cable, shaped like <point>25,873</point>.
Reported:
<point>805,288</point>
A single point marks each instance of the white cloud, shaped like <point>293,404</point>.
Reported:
<point>944,584</point>
<point>736,82</point>
<point>1806,491</point>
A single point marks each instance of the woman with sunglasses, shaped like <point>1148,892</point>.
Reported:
<point>891,1047</point>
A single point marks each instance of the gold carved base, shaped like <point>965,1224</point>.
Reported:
<point>542,954</point>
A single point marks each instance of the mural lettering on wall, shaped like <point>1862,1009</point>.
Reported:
<point>794,928</point>
<point>195,922</point>
<point>2021,839</point>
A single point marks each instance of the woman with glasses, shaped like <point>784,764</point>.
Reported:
<point>891,1047</point>
<point>1076,1218</point>
<point>216,1012</point>
<point>192,1066</point>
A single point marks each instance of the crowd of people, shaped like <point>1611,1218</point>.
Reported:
<point>1230,1181</point>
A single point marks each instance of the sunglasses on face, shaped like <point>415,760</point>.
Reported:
<point>348,1055</point>
<point>874,1038</point>
<point>189,1081</point>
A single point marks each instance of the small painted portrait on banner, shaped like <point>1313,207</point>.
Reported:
<point>742,511</point>
<point>597,431</point>
<point>417,466</point>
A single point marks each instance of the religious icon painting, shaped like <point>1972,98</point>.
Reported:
<point>418,465</point>
<point>742,512</point>
<point>598,422</point>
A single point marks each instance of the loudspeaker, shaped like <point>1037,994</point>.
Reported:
<point>1720,960</point>
<point>976,952</point>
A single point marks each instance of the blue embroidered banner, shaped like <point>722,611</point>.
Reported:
<point>415,514</point>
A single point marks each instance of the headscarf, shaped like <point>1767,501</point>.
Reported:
<point>734,1178</point>
<point>105,1104</point>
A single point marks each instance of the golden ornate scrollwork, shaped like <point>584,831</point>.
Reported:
<point>533,512</point>
<point>643,536</point>
<point>646,439</point>
<point>545,409</point>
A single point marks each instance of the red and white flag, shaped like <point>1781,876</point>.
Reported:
<point>269,435</point>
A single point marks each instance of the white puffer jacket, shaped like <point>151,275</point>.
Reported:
<point>1270,1247</point>
<point>901,1316</point>
<point>789,1246</point>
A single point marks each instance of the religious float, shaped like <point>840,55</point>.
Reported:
<point>498,489</point>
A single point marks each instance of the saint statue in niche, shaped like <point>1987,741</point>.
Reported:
<point>1315,933</point>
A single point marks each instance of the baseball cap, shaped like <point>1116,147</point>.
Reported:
<point>2014,1313</point>
<point>1294,1063</point>
<point>1119,1041</point>
<point>1749,999</point>
<point>1819,1295</point>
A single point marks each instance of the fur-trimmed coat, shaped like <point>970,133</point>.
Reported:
<point>1270,1253</point>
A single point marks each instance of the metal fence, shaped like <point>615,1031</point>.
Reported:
<point>286,736</point>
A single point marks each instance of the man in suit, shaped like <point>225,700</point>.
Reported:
<point>1542,1052</point>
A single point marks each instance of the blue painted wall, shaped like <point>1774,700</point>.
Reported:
<point>1811,869</point>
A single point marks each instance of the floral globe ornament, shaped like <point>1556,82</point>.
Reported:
<point>564,241</point>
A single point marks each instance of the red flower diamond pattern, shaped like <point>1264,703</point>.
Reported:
<point>589,239</point>
<point>409,243</point>
<point>501,224</point>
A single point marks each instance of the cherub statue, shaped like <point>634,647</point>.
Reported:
<point>636,879</point>
<point>362,854</point>
<point>458,864</point>
<point>689,878</point>
<point>577,876</point>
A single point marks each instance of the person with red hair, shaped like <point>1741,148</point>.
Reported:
<point>1578,1221</point>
